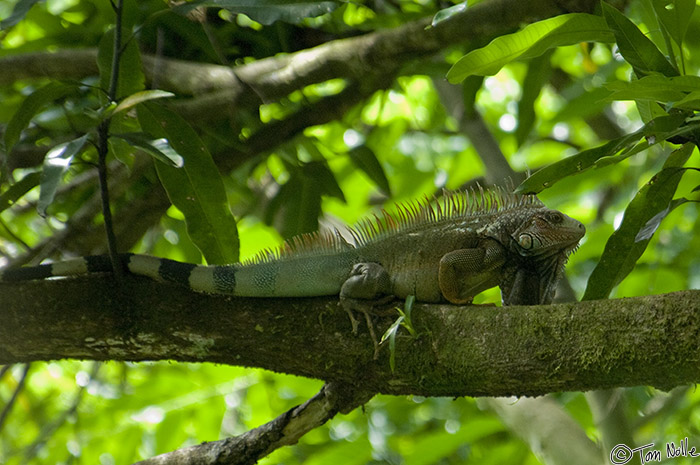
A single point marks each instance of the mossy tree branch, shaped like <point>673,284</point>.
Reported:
<point>475,351</point>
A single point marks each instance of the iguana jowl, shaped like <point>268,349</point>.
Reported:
<point>450,249</point>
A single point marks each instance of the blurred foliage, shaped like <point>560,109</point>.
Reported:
<point>402,142</point>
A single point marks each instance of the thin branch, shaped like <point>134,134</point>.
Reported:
<point>10,403</point>
<point>284,430</point>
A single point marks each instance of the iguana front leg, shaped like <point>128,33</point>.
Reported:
<point>464,273</point>
<point>368,285</point>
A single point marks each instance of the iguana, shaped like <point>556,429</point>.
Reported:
<point>449,249</point>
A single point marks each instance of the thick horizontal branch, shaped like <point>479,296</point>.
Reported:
<point>458,350</point>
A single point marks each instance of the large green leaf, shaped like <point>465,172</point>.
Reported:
<point>626,245</point>
<point>31,106</point>
<point>635,47</point>
<point>57,161</point>
<point>196,189</point>
<point>674,16</point>
<point>267,11</point>
<point>614,151</point>
<point>654,87</point>
<point>530,42</point>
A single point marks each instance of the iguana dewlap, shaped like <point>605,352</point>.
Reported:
<point>447,250</point>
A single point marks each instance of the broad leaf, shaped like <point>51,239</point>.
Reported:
<point>625,246</point>
<point>196,189</point>
<point>613,151</point>
<point>655,87</point>
<point>57,161</point>
<point>530,42</point>
<point>674,16</point>
<point>160,148</point>
<point>31,106</point>
<point>267,11</point>
<point>365,159</point>
<point>635,47</point>
<point>296,206</point>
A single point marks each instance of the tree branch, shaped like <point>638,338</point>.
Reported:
<point>475,351</point>
<point>284,430</point>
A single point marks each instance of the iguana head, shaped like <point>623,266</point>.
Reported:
<point>547,232</point>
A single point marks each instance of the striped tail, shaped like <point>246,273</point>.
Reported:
<point>296,276</point>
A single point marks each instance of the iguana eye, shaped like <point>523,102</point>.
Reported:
<point>554,217</point>
<point>525,241</point>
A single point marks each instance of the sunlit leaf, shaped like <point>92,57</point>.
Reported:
<point>57,161</point>
<point>139,97</point>
<point>654,87</point>
<point>446,13</point>
<point>31,106</point>
<point>531,41</point>
<point>635,47</point>
<point>267,11</point>
<point>622,249</point>
<point>196,189</point>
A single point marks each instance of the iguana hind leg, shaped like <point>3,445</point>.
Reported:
<point>367,287</point>
<point>464,273</point>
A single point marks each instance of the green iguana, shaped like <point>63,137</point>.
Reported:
<point>450,249</point>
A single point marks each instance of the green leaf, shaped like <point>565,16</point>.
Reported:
<point>131,78</point>
<point>17,190</point>
<point>613,151</point>
<point>296,206</point>
<point>390,334</point>
<point>689,102</point>
<point>31,106</point>
<point>196,189</point>
<point>635,47</point>
<point>365,159</point>
<point>267,11</point>
<point>623,249</point>
<point>653,224</point>
<point>674,16</point>
<point>140,97</point>
<point>530,42</point>
<point>319,172</point>
<point>538,72</point>
<point>57,161</point>
<point>446,13</point>
<point>160,148</point>
<point>654,87</point>
<point>20,10</point>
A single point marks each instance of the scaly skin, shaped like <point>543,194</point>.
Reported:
<point>449,250</point>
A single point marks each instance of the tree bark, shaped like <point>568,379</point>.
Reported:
<point>458,351</point>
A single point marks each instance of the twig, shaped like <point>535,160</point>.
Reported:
<point>102,143</point>
<point>6,410</point>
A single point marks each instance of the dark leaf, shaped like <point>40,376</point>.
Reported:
<point>17,190</point>
<point>20,10</point>
<point>623,249</point>
<point>196,189</point>
<point>160,149</point>
<point>365,159</point>
<point>635,47</point>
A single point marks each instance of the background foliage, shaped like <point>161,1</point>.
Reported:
<point>569,94</point>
